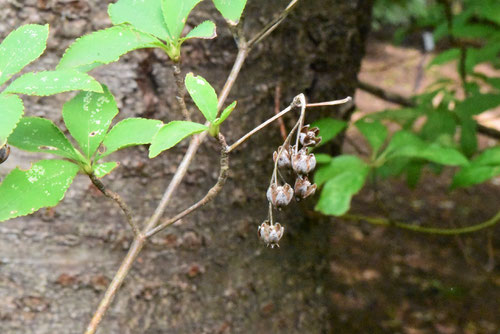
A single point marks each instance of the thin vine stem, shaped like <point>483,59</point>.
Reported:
<point>422,229</point>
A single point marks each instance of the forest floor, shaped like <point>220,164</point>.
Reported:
<point>388,280</point>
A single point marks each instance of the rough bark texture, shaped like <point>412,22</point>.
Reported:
<point>209,274</point>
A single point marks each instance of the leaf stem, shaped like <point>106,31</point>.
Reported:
<point>117,198</point>
<point>422,229</point>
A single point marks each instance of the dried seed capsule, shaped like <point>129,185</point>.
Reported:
<point>309,136</point>
<point>304,188</point>
<point>284,159</point>
<point>303,163</point>
<point>270,234</point>
<point>4,153</point>
<point>279,196</point>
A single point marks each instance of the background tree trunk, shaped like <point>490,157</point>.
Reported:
<point>209,274</point>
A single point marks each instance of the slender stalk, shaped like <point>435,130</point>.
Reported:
<point>302,100</point>
<point>210,195</point>
<point>329,103</point>
<point>121,203</point>
<point>181,91</point>
<point>268,28</point>
<point>431,230</point>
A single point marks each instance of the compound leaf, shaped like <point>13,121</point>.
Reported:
<point>36,134</point>
<point>43,185</point>
<point>88,117</point>
<point>171,134</point>
<point>130,132</point>
<point>21,47</point>
<point>53,82</point>
<point>104,47</point>
<point>11,111</point>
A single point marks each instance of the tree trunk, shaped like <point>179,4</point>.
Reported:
<point>209,274</point>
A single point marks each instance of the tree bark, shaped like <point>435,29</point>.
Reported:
<point>208,274</point>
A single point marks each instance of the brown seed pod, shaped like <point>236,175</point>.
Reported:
<point>270,234</point>
<point>279,196</point>
<point>303,188</point>
<point>4,153</point>
<point>285,156</point>
<point>303,163</point>
<point>309,136</point>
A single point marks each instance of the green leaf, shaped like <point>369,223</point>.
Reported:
<point>203,95</point>
<point>474,174</point>
<point>339,165</point>
<point>322,158</point>
<point>413,173</point>
<point>171,134</point>
<point>146,16</point>
<point>205,30</point>
<point>328,128</point>
<point>374,132</point>
<point>21,47</point>
<point>175,14</point>
<point>489,157</point>
<point>336,195</point>
<point>439,123</point>
<point>104,47</point>
<point>404,116</point>
<point>406,144</point>
<point>43,185</point>
<point>130,132</point>
<point>230,9</point>
<point>478,103</point>
<point>36,134</point>
<point>53,82</point>
<point>445,57</point>
<point>225,114</point>
<point>104,169</point>
<point>11,111</point>
<point>88,117</point>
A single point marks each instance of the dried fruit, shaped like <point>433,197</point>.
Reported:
<point>284,159</point>
<point>279,196</point>
<point>303,188</point>
<point>270,234</point>
<point>309,136</point>
<point>303,163</point>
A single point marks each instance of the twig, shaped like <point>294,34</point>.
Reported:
<point>224,168</point>
<point>277,97</point>
<point>268,28</point>
<point>329,103</point>
<point>181,91</point>
<point>405,102</point>
<point>431,230</point>
<point>115,197</point>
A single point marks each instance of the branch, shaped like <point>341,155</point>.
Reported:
<point>268,28</point>
<point>115,197</point>
<point>224,168</point>
<point>181,91</point>
<point>430,230</point>
<point>403,101</point>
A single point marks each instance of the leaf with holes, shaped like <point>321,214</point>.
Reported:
<point>230,9</point>
<point>171,134</point>
<point>88,117</point>
<point>146,17</point>
<point>104,169</point>
<point>11,111</point>
<point>175,14</point>
<point>36,134</point>
<point>43,185</point>
<point>53,82</point>
<point>21,47</point>
<point>104,47</point>
<point>130,132</point>
<point>203,95</point>
<point>205,30</point>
